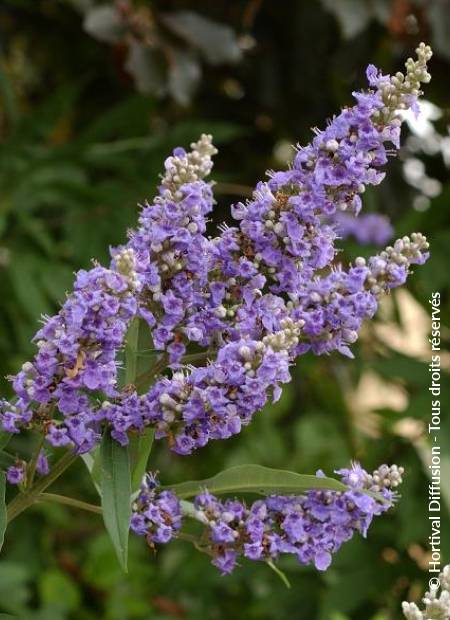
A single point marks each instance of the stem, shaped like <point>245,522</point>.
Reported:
<point>162,363</point>
<point>194,540</point>
<point>195,357</point>
<point>33,463</point>
<point>22,501</point>
<point>131,346</point>
<point>69,501</point>
<point>154,370</point>
<point>188,509</point>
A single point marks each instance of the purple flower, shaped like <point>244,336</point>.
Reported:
<point>312,527</point>
<point>252,299</point>
<point>15,474</point>
<point>42,465</point>
<point>156,514</point>
<point>370,228</point>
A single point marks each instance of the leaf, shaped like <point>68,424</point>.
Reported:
<point>116,494</point>
<point>131,347</point>
<point>2,508</point>
<point>140,449</point>
<point>217,42</point>
<point>257,479</point>
<point>4,439</point>
<point>140,445</point>
<point>92,462</point>
<point>58,590</point>
<point>24,278</point>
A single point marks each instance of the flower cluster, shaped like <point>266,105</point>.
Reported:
<point>370,228</point>
<point>77,355</point>
<point>17,473</point>
<point>311,527</point>
<point>436,604</point>
<point>156,514</point>
<point>253,299</point>
<point>172,252</point>
<point>215,401</point>
<point>276,267</point>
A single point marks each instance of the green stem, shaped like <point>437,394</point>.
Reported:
<point>131,345</point>
<point>162,363</point>
<point>194,540</point>
<point>195,357</point>
<point>33,463</point>
<point>22,501</point>
<point>157,367</point>
<point>69,501</point>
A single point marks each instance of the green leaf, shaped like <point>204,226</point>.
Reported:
<point>140,448</point>
<point>116,494</point>
<point>92,462</point>
<point>4,439</point>
<point>257,479</point>
<point>140,445</point>
<point>2,508</point>
<point>131,348</point>
<point>59,591</point>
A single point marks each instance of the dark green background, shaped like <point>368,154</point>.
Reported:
<point>79,148</point>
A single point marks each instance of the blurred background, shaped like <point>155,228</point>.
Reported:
<point>93,98</point>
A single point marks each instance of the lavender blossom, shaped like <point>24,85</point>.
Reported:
<point>156,514</point>
<point>254,298</point>
<point>42,464</point>
<point>370,228</point>
<point>77,351</point>
<point>210,402</point>
<point>15,474</point>
<point>173,255</point>
<point>311,527</point>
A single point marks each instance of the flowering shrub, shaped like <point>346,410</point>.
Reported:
<point>227,317</point>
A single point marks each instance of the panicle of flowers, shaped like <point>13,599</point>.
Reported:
<point>77,355</point>
<point>156,514</point>
<point>173,255</point>
<point>371,228</point>
<point>311,527</point>
<point>271,268</point>
<point>436,604</point>
<point>254,298</point>
<point>334,306</point>
<point>17,473</point>
<point>212,401</point>
<point>284,240</point>
<point>401,91</point>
